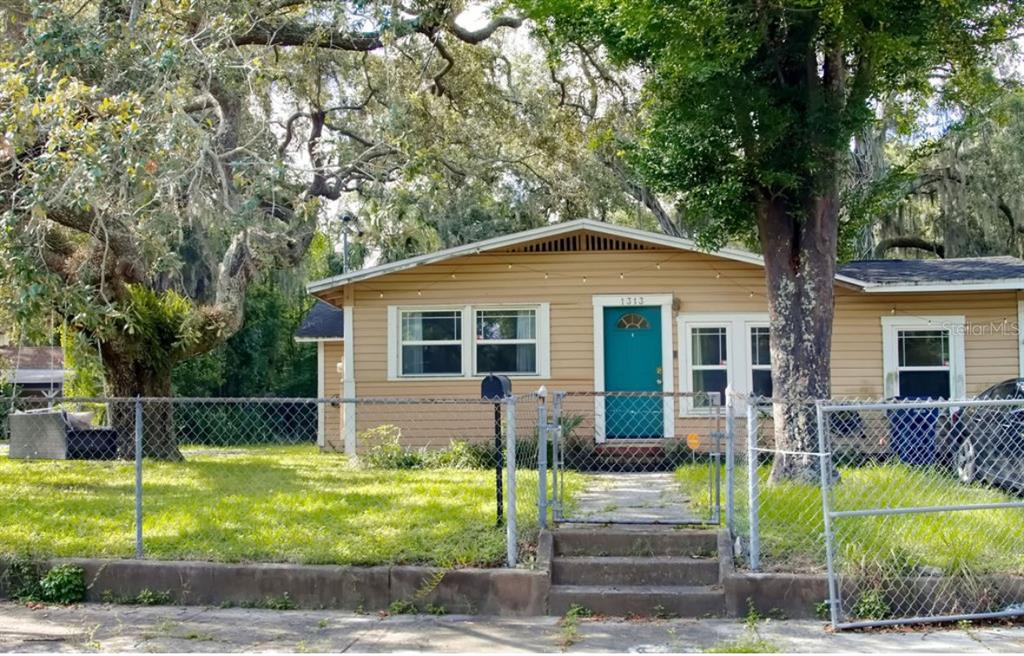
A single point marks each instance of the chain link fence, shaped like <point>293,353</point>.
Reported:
<point>346,481</point>
<point>913,509</point>
<point>925,519</point>
<point>645,457</point>
<point>777,519</point>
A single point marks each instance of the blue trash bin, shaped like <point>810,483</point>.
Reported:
<point>912,433</point>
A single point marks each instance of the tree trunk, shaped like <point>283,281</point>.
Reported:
<point>129,377</point>
<point>799,244</point>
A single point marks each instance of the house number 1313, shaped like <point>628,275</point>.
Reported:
<point>632,300</point>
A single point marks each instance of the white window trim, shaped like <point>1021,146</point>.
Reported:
<point>738,373</point>
<point>955,324</point>
<point>538,339</point>
<point>667,380</point>
<point>468,341</point>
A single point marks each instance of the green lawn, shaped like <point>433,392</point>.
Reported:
<point>976,541</point>
<point>272,503</point>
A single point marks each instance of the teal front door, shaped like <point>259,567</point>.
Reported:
<point>632,363</point>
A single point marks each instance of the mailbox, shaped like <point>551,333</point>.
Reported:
<point>495,387</point>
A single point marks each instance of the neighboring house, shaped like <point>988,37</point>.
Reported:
<point>34,370</point>
<point>585,305</point>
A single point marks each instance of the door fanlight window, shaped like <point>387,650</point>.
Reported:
<point>633,321</point>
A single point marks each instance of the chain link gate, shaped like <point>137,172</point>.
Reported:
<point>923,510</point>
<point>634,458</point>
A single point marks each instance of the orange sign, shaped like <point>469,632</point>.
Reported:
<point>693,441</point>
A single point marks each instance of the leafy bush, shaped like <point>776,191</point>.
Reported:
<point>871,606</point>
<point>462,455</point>
<point>63,584</point>
<point>386,450</point>
<point>21,579</point>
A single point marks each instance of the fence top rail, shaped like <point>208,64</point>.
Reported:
<point>713,397</point>
<point>833,406</point>
<point>413,400</point>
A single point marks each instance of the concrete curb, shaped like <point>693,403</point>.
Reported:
<point>502,592</point>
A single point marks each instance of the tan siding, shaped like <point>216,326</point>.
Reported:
<point>700,283</point>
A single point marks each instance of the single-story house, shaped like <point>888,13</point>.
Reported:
<point>33,370</point>
<point>590,306</point>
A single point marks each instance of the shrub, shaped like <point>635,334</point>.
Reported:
<point>386,450</point>
<point>871,606</point>
<point>63,584</point>
<point>462,455</point>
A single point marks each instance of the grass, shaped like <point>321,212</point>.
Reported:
<point>954,543</point>
<point>267,503</point>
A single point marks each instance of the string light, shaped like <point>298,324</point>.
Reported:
<point>453,276</point>
<point>545,276</point>
<point>622,276</point>
<point>509,267</point>
<point>658,266</point>
<point>382,294</point>
<point>584,280</point>
<point>419,292</point>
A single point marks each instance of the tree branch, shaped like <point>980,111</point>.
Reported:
<point>907,241</point>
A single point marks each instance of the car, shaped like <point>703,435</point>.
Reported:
<point>986,442</point>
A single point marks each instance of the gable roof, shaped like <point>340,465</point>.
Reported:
<point>867,275</point>
<point>505,241</point>
<point>323,321</point>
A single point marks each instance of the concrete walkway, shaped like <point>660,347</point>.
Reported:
<point>632,497</point>
<point>180,629</point>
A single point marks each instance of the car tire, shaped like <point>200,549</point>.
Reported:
<point>966,461</point>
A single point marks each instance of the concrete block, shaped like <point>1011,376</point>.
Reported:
<point>507,592</point>
<point>639,600</point>
<point>631,542</point>
<point>204,583</point>
<point>629,570</point>
<point>793,595</point>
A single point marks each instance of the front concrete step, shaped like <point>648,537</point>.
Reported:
<point>630,570</point>
<point>634,542</point>
<point>677,601</point>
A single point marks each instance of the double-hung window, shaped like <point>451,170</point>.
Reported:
<point>723,350</point>
<point>506,341</point>
<point>760,361</point>
<point>923,357</point>
<point>431,343</point>
<point>468,341</point>
<point>923,365</point>
<point>709,363</point>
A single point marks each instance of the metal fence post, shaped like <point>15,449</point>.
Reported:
<point>753,503</point>
<point>730,426</point>
<point>556,456</point>
<point>825,466</point>
<point>138,478</point>
<point>511,534</point>
<point>542,457</point>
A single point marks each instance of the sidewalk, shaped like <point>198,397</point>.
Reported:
<point>194,629</point>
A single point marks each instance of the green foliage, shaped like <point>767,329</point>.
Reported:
<point>402,607</point>
<point>147,597</point>
<point>871,605</point>
<point>63,584</point>
<point>386,450</point>
<point>748,101</point>
<point>262,358</point>
<point>20,577</point>
<point>82,359</point>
